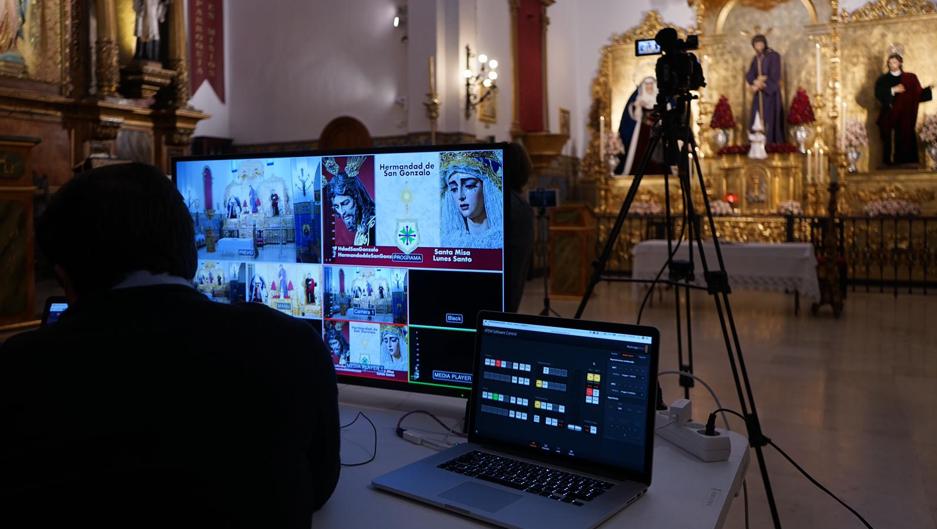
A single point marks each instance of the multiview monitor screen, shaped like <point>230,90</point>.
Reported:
<point>390,254</point>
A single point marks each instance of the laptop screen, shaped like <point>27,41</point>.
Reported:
<point>577,392</point>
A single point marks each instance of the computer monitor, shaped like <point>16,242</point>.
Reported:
<point>54,307</point>
<point>389,253</point>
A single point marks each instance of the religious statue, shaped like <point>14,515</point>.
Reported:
<point>764,81</point>
<point>275,203</point>
<point>899,93</point>
<point>149,15</point>
<point>471,200</point>
<point>637,120</point>
<point>12,17</point>
<point>351,202</point>
<point>310,290</point>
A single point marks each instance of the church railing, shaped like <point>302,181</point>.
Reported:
<point>879,254</point>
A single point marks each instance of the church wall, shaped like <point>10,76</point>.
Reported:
<point>295,65</point>
<point>492,36</point>
<point>594,23</point>
<point>562,77</point>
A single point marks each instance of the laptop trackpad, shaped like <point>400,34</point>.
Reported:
<point>479,496</point>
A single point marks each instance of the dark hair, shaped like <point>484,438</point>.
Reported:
<point>760,38</point>
<point>895,56</point>
<point>111,221</point>
<point>517,166</point>
<point>342,184</point>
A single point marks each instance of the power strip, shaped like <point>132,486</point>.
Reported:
<point>675,425</point>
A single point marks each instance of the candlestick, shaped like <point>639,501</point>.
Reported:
<point>818,68</point>
<point>602,138</point>
<point>432,75</point>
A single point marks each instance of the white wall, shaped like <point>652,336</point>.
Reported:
<point>297,64</point>
<point>492,36</point>
<point>578,30</point>
<point>205,99</point>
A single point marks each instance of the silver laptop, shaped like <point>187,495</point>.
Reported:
<point>560,426</point>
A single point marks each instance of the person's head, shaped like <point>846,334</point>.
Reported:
<point>647,92</point>
<point>336,342</point>
<point>895,62</point>
<point>350,201</point>
<point>759,43</point>
<point>390,341</point>
<point>517,167</point>
<point>114,220</point>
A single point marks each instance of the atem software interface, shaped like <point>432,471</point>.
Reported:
<point>574,392</point>
<point>390,254</point>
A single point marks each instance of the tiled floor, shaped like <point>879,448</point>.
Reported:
<point>852,400</point>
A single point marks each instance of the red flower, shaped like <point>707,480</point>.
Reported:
<point>722,115</point>
<point>801,112</point>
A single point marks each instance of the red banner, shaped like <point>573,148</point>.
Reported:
<point>206,45</point>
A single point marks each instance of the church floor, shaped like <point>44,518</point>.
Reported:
<point>854,400</point>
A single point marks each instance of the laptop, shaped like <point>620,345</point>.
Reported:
<point>561,427</point>
<point>55,306</point>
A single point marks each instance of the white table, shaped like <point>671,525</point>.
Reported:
<point>685,491</point>
<point>780,267</point>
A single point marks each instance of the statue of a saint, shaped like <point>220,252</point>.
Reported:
<point>899,93</point>
<point>149,15</point>
<point>764,81</point>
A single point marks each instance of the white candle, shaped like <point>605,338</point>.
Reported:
<point>602,138</point>
<point>809,175</point>
<point>818,68</point>
<point>432,75</point>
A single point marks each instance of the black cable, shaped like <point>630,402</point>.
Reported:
<point>711,421</point>
<point>373,450</point>
<point>399,430</point>
<point>817,483</point>
<point>662,268</point>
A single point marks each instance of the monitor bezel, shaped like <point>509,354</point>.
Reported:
<point>408,386</point>
<point>602,469</point>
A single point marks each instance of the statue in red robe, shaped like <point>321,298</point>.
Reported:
<point>899,93</point>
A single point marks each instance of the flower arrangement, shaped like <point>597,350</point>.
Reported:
<point>854,137</point>
<point>790,207</point>
<point>645,208</point>
<point>722,115</point>
<point>780,148</point>
<point>613,145</point>
<point>928,131</point>
<point>801,112</point>
<point>735,149</point>
<point>721,208</point>
<point>891,208</point>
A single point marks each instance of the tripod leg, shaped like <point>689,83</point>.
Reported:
<point>598,267</point>
<point>736,359</point>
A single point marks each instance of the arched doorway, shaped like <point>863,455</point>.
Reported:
<point>345,132</point>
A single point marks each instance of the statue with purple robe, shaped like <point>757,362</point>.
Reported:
<point>764,80</point>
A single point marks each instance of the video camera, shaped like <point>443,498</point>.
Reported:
<point>678,71</point>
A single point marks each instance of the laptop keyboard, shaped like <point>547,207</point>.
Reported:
<point>536,479</point>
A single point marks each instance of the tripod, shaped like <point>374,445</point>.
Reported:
<point>672,129</point>
<point>543,225</point>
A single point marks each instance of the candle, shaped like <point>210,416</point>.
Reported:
<point>809,165</point>
<point>432,75</point>
<point>818,68</point>
<point>602,138</point>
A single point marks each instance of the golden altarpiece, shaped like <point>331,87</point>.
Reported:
<point>834,55</point>
<point>72,94</point>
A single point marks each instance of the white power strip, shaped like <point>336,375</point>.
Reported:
<point>675,425</point>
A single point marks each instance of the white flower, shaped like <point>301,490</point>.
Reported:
<point>721,208</point>
<point>854,136</point>
<point>928,130</point>
<point>644,208</point>
<point>891,208</point>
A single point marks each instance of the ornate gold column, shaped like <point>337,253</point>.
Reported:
<point>108,69</point>
<point>177,55</point>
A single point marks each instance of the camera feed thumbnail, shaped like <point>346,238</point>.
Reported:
<point>222,281</point>
<point>371,350</point>
<point>366,294</point>
<point>419,210</point>
<point>254,209</point>
<point>293,289</point>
